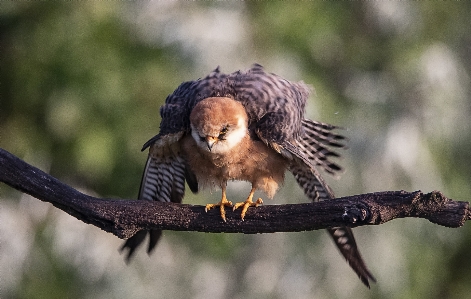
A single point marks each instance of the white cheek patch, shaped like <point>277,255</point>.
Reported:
<point>196,136</point>
<point>233,138</point>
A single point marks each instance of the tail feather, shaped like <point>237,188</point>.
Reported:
<point>314,146</point>
<point>132,244</point>
<point>345,241</point>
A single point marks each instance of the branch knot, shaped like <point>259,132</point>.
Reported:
<point>357,214</point>
<point>125,217</point>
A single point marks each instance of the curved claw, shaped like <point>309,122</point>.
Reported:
<point>222,204</point>
<point>246,204</point>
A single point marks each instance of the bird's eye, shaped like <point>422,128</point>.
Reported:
<point>222,133</point>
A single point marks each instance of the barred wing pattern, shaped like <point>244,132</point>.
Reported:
<point>314,144</point>
<point>269,100</point>
<point>275,108</point>
<point>163,180</point>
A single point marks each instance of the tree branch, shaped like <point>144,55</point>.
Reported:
<point>124,218</point>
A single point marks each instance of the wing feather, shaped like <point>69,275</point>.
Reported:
<point>315,143</point>
<point>163,180</point>
<point>275,108</point>
<point>269,101</point>
<point>261,93</point>
<point>313,146</point>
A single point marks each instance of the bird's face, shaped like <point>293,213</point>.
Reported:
<point>218,124</point>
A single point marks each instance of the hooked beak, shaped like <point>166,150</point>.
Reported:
<point>210,141</point>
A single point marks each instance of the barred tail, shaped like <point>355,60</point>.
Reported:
<point>314,145</point>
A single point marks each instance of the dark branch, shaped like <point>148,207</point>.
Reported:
<point>124,218</point>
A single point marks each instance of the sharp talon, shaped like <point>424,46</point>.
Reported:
<point>222,204</point>
<point>223,212</point>
<point>244,210</point>
<point>209,207</point>
<point>245,206</point>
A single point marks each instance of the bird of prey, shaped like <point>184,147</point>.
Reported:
<point>247,126</point>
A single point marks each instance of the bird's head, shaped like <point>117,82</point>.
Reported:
<point>218,124</point>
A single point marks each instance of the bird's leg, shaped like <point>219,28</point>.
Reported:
<point>223,203</point>
<point>248,203</point>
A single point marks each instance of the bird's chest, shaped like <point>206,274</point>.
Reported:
<point>233,165</point>
<point>246,162</point>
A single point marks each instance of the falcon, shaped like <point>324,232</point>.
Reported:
<point>246,126</point>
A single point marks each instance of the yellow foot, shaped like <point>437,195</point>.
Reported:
<point>246,204</point>
<point>223,203</point>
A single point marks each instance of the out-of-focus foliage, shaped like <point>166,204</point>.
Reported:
<point>80,92</point>
<point>81,84</point>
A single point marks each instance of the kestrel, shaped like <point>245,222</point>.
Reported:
<point>247,126</point>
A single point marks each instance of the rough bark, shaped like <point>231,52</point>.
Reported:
<point>124,218</point>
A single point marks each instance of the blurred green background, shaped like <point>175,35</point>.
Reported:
<point>81,83</point>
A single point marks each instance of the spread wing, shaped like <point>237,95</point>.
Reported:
<point>270,102</point>
<point>275,108</point>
